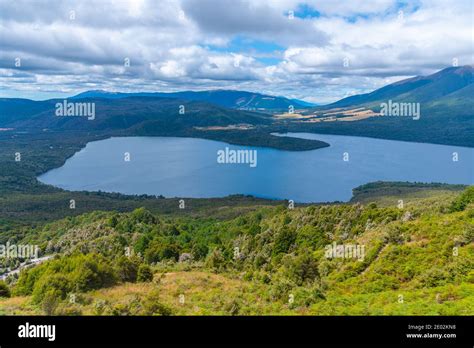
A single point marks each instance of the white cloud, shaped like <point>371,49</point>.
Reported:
<point>171,44</point>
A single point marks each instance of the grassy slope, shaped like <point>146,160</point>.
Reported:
<point>389,193</point>
<point>412,258</point>
<point>213,294</point>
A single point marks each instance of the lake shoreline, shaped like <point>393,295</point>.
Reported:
<point>191,169</point>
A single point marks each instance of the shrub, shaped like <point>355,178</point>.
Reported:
<point>232,307</point>
<point>93,272</point>
<point>153,306</point>
<point>305,297</point>
<point>463,200</point>
<point>127,269</point>
<point>143,215</point>
<point>144,273</point>
<point>283,240</point>
<point>63,275</point>
<point>51,301</point>
<point>53,284</point>
<point>394,235</point>
<point>4,289</point>
<point>216,260</point>
<point>301,269</point>
<point>281,289</point>
<point>160,250</point>
<point>199,251</point>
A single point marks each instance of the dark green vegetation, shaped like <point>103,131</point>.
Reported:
<point>446,105</point>
<point>260,138</point>
<point>132,113</point>
<point>417,260</point>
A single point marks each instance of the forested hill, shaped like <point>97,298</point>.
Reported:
<point>412,260</point>
<point>124,113</point>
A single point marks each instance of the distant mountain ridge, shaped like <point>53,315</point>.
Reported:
<point>445,98</point>
<point>241,100</point>
<point>124,113</point>
<point>421,89</point>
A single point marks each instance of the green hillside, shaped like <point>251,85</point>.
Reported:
<point>421,89</point>
<point>416,260</point>
<point>120,114</point>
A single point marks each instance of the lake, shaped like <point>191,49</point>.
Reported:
<point>188,167</point>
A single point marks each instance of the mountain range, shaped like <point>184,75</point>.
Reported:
<point>445,98</point>
<point>124,113</point>
<point>241,100</point>
<point>451,87</point>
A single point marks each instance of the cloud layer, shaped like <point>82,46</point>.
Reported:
<point>315,50</point>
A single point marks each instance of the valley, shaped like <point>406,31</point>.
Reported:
<point>259,248</point>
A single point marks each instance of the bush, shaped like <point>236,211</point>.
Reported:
<point>127,269</point>
<point>144,273</point>
<point>51,301</point>
<point>305,297</point>
<point>93,272</point>
<point>199,251</point>
<point>142,215</point>
<point>281,289</point>
<point>153,306</point>
<point>394,235</point>
<point>301,269</point>
<point>63,275</point>
<point>463,200</point>
<point>4,289</point>
<point>216,261</point>
<point>283,241</point>
<point>58,285</point>
<point>160,250</point>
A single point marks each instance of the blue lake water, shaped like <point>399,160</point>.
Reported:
<point>188,167</point>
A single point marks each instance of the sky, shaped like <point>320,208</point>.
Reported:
<point>318,51</point>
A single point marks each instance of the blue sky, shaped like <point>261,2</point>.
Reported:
<point>319,51</point>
